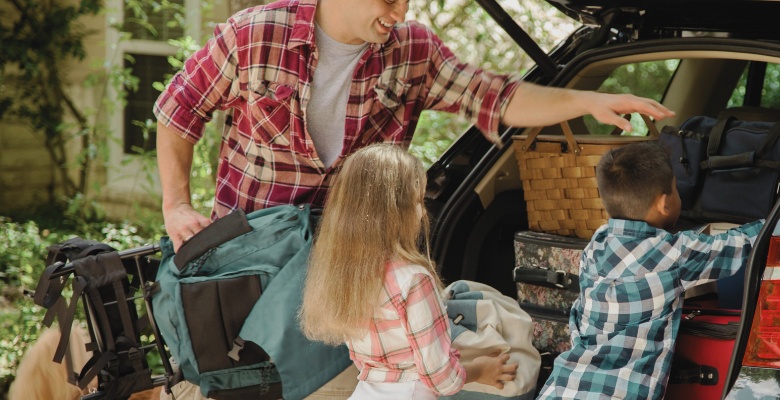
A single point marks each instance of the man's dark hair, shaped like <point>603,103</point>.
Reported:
<point>630,177</point>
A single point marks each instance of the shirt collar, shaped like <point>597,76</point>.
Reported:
<point>638,229</point>
<point>303,29</point>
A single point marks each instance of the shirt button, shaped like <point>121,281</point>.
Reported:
<point>269,108</point>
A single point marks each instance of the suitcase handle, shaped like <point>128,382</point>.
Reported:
<point>548,278</point>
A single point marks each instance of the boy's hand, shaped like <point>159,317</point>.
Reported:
<point>494,370</point>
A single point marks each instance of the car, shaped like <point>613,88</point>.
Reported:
<point>696,58</point>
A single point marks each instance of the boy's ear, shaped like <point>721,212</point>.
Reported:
<point>661,204</point>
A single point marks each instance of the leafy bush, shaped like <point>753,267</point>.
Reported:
<point>22,260</point>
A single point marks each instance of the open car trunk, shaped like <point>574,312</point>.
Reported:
<point>697,58</point>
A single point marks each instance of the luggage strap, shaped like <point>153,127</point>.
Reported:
<point>687,372</point>
<point>220,231</point>
<point>548,278</point>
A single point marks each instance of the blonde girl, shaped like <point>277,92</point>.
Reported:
<point>370,286</point>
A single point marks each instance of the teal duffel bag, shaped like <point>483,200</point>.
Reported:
<point>227,308</point>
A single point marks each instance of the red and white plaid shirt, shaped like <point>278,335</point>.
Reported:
<point>260,63</point>
<point>409,337</point>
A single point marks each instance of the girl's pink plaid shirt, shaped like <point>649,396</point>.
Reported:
<point>409,336</point>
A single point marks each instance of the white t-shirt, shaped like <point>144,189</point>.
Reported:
<point>327,109</point>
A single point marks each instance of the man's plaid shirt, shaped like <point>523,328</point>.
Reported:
<point>623,325</point>
<point>260,64</point>
<point>409,337</point>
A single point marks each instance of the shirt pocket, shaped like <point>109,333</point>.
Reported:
<point>387,120</point>
<point>269,104</point>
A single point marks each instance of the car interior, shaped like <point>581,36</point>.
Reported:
<point>701,82</point>
<point>692,76</point>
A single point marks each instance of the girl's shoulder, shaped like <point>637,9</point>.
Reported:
<point>403,269</point>
<point>399,276</point>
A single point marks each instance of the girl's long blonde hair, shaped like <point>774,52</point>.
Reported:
<point>370,218</point>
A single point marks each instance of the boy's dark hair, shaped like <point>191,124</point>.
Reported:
<point>630,177</point>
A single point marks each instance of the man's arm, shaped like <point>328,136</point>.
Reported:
<point>174,161</point>
<point>534,105</point>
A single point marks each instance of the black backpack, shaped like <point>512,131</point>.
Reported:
<point>113,286</point>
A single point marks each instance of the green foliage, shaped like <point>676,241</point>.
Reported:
<point>22,260</point>
<point>646,79</point>
<point>45,37</point>
<point>476,39</point>
<point>770,93</point>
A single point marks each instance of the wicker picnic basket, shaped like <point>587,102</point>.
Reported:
<point>559,178</point>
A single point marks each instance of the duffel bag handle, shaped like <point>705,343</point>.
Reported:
<point>572,142</point>
<point>746,159</point>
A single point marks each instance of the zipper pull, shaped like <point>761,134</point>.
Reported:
<point>693,314</point>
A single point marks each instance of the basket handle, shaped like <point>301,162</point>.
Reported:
<point>572,142</point>
<point>567,133</point>
<point>651,129</point>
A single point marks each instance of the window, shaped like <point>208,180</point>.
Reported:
<point>148,69</point>
<point>140,44</point>
<point>646,79</point>
<point>160,24</point>
<point>143,48</point>
<point>758,86</point>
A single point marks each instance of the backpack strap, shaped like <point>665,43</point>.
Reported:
<point>66,316</point>
<point>48,292</point>
<point>93,367</point>
<point>220,231</point>
<point>106,270</point>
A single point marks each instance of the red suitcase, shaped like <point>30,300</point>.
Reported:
<point>702,354</point>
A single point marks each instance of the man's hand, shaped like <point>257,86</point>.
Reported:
<point>609,108</point>
<point>182,222</point>
<point>534,105</point>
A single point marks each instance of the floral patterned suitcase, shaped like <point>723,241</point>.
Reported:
<point>547,277</point>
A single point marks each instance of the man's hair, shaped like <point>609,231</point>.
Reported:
<point>631,177</point>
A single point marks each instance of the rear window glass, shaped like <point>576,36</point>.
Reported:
<point>646,79</point>
<point>770,90</point>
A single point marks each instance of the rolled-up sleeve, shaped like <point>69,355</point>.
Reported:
<point>203,85</point>
<point>478,95</point>
<point>429,336</point>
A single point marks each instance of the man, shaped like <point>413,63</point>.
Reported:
<point>309,82</point>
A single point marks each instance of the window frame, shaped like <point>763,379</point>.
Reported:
<point>125,179</point>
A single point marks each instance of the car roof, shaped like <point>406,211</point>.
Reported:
<point>743,18</point>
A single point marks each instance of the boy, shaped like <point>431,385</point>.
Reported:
<point>632,277</point>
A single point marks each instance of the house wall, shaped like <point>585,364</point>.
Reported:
<point>26,171</point>
<point>27,174</point>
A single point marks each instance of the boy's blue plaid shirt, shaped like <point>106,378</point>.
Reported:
<point>632,279</point>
